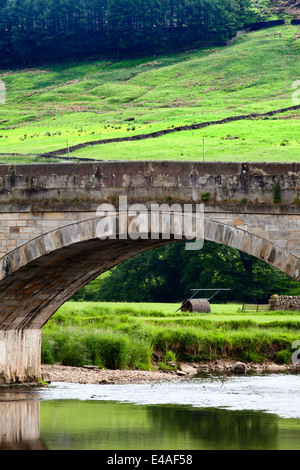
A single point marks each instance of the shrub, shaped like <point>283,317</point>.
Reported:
<point>250,356</point>
<point>75,346</point>
<point>205,196</point>
<point>284,357</point>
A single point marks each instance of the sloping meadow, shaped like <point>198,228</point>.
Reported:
<point>106,99</point>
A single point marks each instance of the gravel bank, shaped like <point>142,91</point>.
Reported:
<point>94,375</point>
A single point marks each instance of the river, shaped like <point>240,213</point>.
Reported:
<point>253,412</point>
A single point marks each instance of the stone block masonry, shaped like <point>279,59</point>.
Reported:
<point>284,302</point>
<point>49,247</point>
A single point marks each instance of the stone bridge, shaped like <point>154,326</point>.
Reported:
<point>49,238</point>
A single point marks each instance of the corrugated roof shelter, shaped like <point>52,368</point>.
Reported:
<point>196,305</point>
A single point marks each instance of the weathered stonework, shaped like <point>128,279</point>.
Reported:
<point>20,356</point>
<point>284,302</point>
<point>49,246</point>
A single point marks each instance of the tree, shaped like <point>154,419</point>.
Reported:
<point>34,31</point>
<point>169,273</point>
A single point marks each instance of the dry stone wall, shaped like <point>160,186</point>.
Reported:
<point>284,302</point>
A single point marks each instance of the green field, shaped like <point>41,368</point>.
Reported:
<point>142,336</point>
<point>101,99</point>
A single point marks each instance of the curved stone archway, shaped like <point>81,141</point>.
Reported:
<point>38,277</point>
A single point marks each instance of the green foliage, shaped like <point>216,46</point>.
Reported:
<point>205,196</point>
<point>169,273</point>
<point>116,340</point>
<point>284,357</point>
<point>170,357</point>
<point>48,353</point>
<point>91,100</point>
<point>35,31</point>
<point>276,192</point>
<point>105,348</point>
<point>252,357</point>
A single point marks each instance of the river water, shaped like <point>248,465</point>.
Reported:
<point>203,413</point>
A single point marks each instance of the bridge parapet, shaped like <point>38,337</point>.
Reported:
<point>181,181</point>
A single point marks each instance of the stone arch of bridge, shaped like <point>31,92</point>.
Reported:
<point>39,276</point>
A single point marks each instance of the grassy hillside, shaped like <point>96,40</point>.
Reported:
<point>101,99</point>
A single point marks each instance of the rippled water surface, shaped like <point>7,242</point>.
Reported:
<point>252,412</point>
<point>279,394</point>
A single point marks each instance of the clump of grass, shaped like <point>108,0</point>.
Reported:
<point>101,347</point>
<point>205,196</point>
<point>284,357</point>
<point>169,362</point>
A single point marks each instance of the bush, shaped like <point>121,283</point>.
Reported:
<point>250,356</point>
<point>284,357</point>
<point>205,196</point>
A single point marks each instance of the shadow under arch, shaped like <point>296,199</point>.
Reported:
<point>39,276</point>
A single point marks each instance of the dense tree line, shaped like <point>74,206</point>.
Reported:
<point>37,31</point>
<point>169,273</point>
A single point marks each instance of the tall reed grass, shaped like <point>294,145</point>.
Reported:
<point>75,346</point>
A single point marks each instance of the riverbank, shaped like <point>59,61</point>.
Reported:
<point>139,342</point>
<point>137,336</point>
<point>95,375</point>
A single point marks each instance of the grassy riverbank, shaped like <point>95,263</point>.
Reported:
<point>49,108</point>
<point>142,336</point>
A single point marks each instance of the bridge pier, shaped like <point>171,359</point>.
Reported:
<point>20,356</point>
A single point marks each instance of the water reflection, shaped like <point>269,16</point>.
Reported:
<point>54,419</point>
<point>106,425</point>
<point>19,421</point>
<point>220,429</point>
